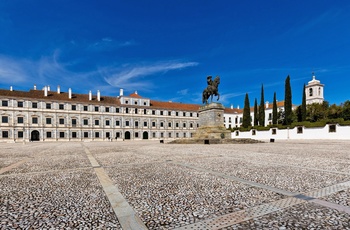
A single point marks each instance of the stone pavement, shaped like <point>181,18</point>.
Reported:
<point>148,185</point>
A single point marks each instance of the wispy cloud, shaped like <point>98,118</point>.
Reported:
<point>182,92</point>
<point>14,71</point>
<point>108,43</point>
<point>132,76</point>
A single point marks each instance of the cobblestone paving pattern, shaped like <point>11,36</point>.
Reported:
<point>54,185</point>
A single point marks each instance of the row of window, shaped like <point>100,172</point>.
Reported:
<point>98,109</point>
<point>61,121</point>
<point>49,134</point>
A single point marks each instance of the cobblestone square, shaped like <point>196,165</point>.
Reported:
<point>149,185</point>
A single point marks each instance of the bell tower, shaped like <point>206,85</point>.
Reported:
<point>314,91</point>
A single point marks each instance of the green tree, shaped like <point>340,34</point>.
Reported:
<point>274,110</point>
<point>334,112</point>
<point>246,112</point>
<point>299,113</point>
<point>303,106</point>
<point>346,110</point>
<point>288,116</point>
<point>317,112</point>
<point>256,116</point>
<point>262,108</point>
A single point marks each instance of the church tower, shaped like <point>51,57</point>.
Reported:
<point>314,91</point>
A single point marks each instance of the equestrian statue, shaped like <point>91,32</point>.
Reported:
<point>211,90</point>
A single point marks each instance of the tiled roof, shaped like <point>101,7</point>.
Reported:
<point>135,95</point>
<point>174,106</point>
<point>233,111</point>
<point>63,96</point>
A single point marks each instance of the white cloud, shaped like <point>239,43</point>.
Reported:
<point>126,77</point>
<point>182,92</point>
<point>14,71</point>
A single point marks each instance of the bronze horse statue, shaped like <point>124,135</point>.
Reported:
<point>211,90</point>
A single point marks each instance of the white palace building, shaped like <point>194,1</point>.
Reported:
<point>47,115</point>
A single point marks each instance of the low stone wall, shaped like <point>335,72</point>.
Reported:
<point>333,132</point>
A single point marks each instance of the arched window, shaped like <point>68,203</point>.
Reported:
<point>310,92</point>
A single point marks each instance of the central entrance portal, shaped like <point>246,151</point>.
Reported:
<point>35,136</point>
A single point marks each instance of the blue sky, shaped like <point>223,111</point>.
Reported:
<point>165,49</point>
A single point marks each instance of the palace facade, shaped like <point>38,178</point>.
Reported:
<point>45,115</point>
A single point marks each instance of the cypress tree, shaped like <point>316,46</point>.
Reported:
<point>246,112</point>
<point>303,106</point>
<point>274,110</point>
<point>288,102</point>
<point>262,108</point>
<point>256,116</point>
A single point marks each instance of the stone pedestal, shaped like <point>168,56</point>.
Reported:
<point>211,122</point>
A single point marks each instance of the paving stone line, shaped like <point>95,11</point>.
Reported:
<point>280,191</point>
<point>15,165</point>
<point>243,215</point>
<point>127,218</point>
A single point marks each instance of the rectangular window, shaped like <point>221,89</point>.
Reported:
<point>5,103</point>
<point>184,134</point>
<point>86,122</point>
<point>61,106</point>
<point>74,134</point>
<point>126,123</point>
<point>169,135</point>
<point>184,125</point>
<point>161,113</point>
<point>177,135</point>
<point>274,131</point>
<point>300,130</point>
<point>332,128</point>
<point>117,110</point>
<point>96,109</point>
<point>61,121</point>
<point>5,134</point>
<point>74,122</point>
<point>48,105</point>
<point>191,125</point>
<point>126,110</point>
<point>20,104</point>
<point>97,135</point>
<point>20,134</point>
<point>153,124</point>
<point>136,124</point>
<point>169,113</point>
<point>5,119</point>
<point>184,114</point>
<point>97,122</point>
<point>161,135</point>
<point>145,111</point>
<point>169,124</point>
<point>48,121</point>
<point>177,113</point>
<point>136,111</point>
<point>48,134</point>
<point>86,134</point>
<point>161,124</point>
<point>34,120</point>
<point>136,134</point>
<point>107,122</point>
<point>107,109</point>
<point>74,107</point>
<point>177,125</point>
<point>191,114</point>
<point>108,135</point>
<point>154,135</point>
<point>85,108</point>
<point>61,134</point>
<point>117,123</point>
<point>153,112</point>
<point>145,124</point>
<point>34,105</point>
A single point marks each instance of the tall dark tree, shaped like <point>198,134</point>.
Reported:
<point>274,110</point>
<point>246,112</point>
<point>256,115</point>
<point>346,110</point>
<point>303,106</point>
<point>262,108</point>
<point>288,103</point>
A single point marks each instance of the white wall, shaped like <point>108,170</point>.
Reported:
<point>342,133</point>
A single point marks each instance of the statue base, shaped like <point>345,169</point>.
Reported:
<point>211,122</point>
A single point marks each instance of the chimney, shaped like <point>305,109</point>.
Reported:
<point>135,92</point>
<point>11,89</point>
<point>231,106</point>
<point>45,91</point>
<point>70,93</point>
<point>58,89</point>
<point>90,95</point>
<point>121,92</point>
<point>48,88</point>
<point>237,106</point>
<point>267,104</point>
<point>98,95</point>
<point>34,87</point>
